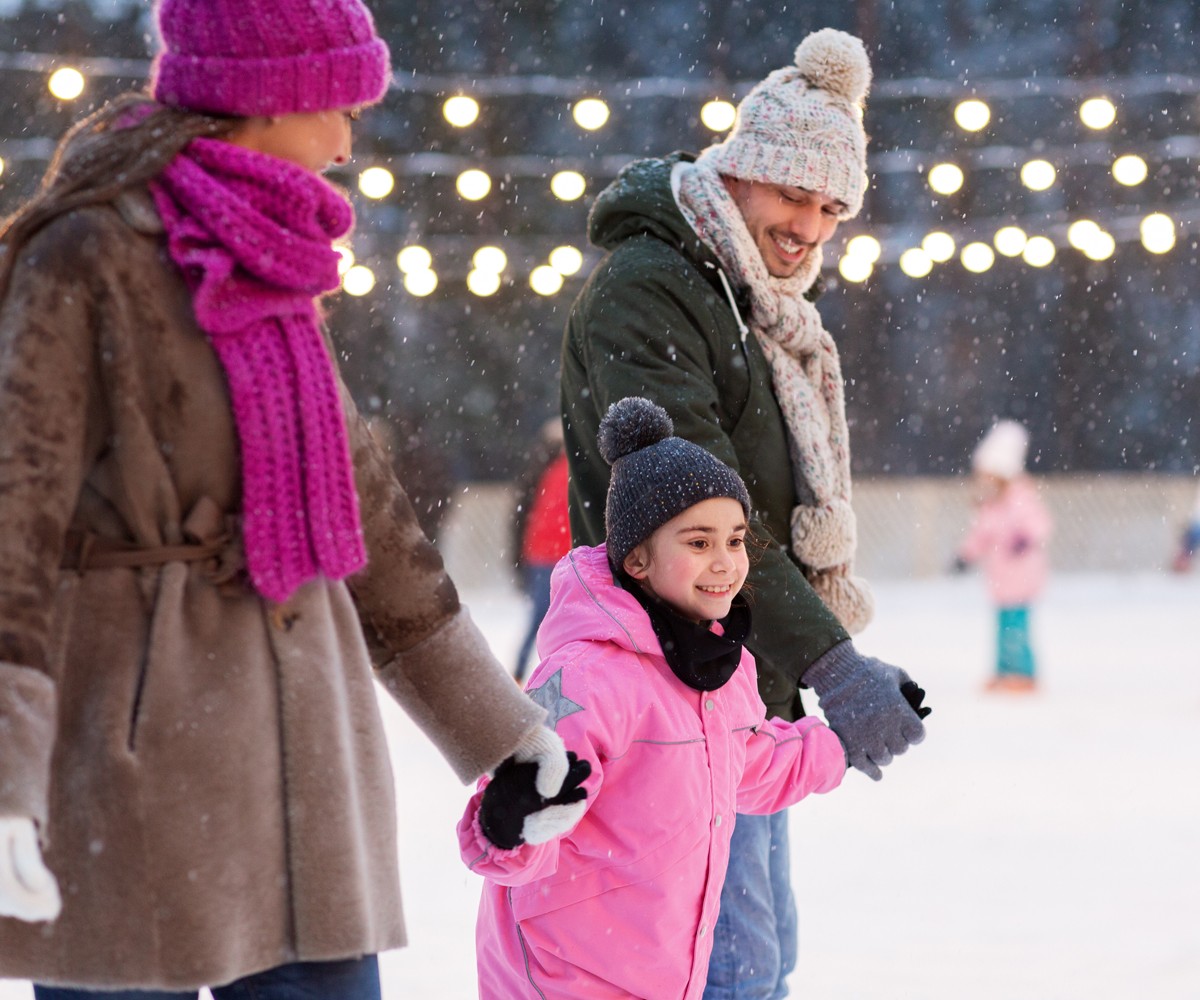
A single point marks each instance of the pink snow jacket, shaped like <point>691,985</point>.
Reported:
<point>1008,538</point>
<point>624,904</point>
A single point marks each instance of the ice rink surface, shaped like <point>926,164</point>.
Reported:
<point>1035,847</point>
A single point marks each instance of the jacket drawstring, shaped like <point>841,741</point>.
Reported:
<point>743,329</point>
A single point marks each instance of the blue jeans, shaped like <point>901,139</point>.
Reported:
<point>352,979</point>
<point>1014,654</point>
<point>754,942</point>
<point>536,582</point>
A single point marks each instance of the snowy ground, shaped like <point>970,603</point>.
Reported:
<point>1033,848</point>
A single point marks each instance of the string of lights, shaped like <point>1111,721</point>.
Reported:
<point>1033,238</point>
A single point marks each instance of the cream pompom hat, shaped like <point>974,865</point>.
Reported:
<point>803,125</point>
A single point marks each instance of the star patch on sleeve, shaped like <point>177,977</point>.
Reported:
<point>550,696</point>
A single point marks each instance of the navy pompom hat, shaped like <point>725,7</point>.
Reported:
<point>655,475</point>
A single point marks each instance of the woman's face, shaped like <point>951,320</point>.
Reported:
<point>315,140</point>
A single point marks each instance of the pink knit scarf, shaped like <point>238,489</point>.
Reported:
<point>253,236</point>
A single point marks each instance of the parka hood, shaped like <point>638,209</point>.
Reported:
<point>640,202</point>
<point>587,606</point>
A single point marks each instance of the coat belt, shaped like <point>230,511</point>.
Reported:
<point>84,550</point>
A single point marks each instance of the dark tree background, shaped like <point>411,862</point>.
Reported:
<point>1101,359</point>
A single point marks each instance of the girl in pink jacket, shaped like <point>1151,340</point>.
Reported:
<point>1008,538</point>
<point>644,674</point>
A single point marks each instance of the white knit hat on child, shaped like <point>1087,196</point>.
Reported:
<point>1002,451</point>
<point>802,126</point>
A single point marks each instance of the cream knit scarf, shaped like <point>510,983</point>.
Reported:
<point>807,381</point>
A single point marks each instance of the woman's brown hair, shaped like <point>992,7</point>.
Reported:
<point>124,144</point>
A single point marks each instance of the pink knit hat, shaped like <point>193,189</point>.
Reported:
<point>268,57</point>
<point>802,126</point>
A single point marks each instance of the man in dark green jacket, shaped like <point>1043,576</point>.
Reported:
<point>706,288</point>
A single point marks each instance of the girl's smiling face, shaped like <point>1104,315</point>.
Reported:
<point>697,561</point>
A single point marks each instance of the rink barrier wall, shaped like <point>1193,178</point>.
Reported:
<point>907,527</point>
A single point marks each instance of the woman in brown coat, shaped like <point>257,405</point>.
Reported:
<point>204,550</point>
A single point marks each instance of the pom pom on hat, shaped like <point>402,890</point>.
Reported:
<point>802,126</point>
<point>655,476</point>
<point>630,425</point>
<point>1002,451</point>
<point>268,57</point>
<point>837,62</point>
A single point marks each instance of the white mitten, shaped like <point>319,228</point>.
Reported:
<point>28,891</point>
<point>544,747</point>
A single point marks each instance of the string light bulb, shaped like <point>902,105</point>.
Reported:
<point>358,280</point>
<point>376,182</point>
<point>1038,175</point>
<point>460,110</point>
<point>568,185</point>
<point>1097,113</point>
<point>544,280</point>
<point>1157,232</point>
<point>66,83</point>
<point>939,246</point>
<point>473,184</point>
<point>946,178</point>
<point>915,262</point>
<point>566,260</point>
<point>854,268</point>
<point>718,116</point>
<point>977,257</point>
<point>972,115</point>
<point>1039,251</point>
<point>1129,170</point>
<point>591,113</point>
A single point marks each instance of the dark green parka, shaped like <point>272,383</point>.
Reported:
<point>654,320</point>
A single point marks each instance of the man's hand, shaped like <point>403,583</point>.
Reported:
<point>869,704</point>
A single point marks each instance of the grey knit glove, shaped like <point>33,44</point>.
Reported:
<point>865,706</point>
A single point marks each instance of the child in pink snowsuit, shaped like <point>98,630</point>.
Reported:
<point>1008,538</point>
<point>644,675</point>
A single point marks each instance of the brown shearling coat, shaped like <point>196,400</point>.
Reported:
<point>208,771</point>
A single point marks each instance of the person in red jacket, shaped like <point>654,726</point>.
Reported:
<point>543,533</point>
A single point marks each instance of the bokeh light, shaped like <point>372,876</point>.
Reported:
<point>866,247</point>
<point>483,283</point>
<point>66,83</point>
<point>544,280</point>
<point>358,280</point>
<point>1039,251</point>
<point>1158,232</point>
<point>566,260</point>
<point>1010,241</point>
<point>1097,112</point>
<point>915,262</point>
<point>972,115</point>
<point>1101,246</point>
<point>1129,170</point>
<point>854,268</point>
<point>977,257</point>
<point>413,259</point>
<point>473,184</point>
<point>940,246</point>
<point>568,185</point>
<point>461,111</point>
<point>420,283</point>
<point>591,113</point>
<point>490,259</point>
<point>945,178</point>
<point>345,259</point>
<point>1038,175</point>
<point>376,182</point>
<point>718,116</point>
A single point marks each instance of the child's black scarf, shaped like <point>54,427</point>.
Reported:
<point>696,655</point>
